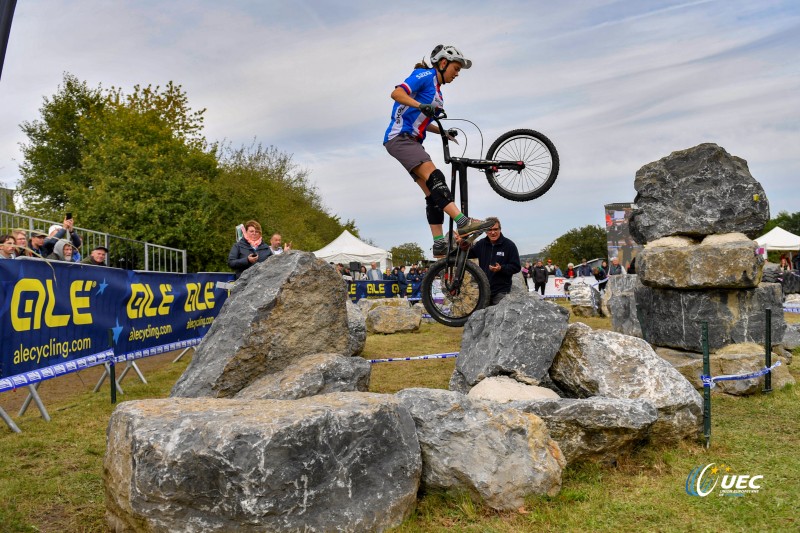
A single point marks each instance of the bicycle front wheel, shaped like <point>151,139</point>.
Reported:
<point>449,302</point>
<point>541,165</point>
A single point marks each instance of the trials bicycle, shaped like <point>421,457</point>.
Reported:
<point>520,165</point>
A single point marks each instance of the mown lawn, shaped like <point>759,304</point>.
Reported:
<point>51,474</point>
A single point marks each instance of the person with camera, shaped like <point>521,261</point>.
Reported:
<point>64,231</point>
<point>248,250</point>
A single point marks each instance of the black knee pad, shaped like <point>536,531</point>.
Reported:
<point>433,212</point>
<point>440,194</point>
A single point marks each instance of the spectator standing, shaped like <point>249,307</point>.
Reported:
<point>402,282</point>
<point>413,275</point>
<point>539,275</point>
<point>64,231</point>
<point>559,274</point>
<point>275,244</point>
<point>8,246</point>
<point>499,258</point>
<point>615,269</point>
<point>550,267</point>
<point>97,256</point>
<point>570,273</point>
<point>21,240</point>
<point>63,251</point>
<point>36,248</point>
<point>585,269</point>
<point>526,271</point>
<point>784,266</point>
<point>248,250</point>
<point>374,273</point>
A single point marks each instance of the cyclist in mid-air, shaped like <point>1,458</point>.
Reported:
<point>418,99</point>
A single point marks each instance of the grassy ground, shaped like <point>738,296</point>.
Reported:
<point>51,474</point>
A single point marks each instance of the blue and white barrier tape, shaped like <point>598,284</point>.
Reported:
<point>791,309</point>
<point>709,381</point>
<point>417,358</point>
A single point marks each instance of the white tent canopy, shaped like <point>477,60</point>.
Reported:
<point>347,248</point>
<point>779,239</point>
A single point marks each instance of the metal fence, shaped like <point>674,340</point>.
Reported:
<point>122,253</point>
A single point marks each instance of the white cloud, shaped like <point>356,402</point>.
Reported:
<point>615,85</point>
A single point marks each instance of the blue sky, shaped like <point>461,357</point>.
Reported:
<point>614,84</point>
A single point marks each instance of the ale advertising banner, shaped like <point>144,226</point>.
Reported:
<point>59,317</point>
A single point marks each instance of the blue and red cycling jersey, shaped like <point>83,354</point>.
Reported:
<point>423,87</point>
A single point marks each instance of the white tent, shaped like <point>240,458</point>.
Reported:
<point>347,248</point>
<point>779,239</point>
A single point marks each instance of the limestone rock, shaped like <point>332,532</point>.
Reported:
<point>311,375</point>
<point>368,304</point>
<point>608,364</point>
<point>791,337</point>
<point>736,359</point>
<point>343,461</point>
<point>620,299</point>
<point>497,454</point>
<point>288,306</point>
<point>503,389</point>
<point>518,337</point>
<point>697,192</point>
<point>719,261</point>
<point>357,328</point>
<point>585,300</point>
<point>674,318</point>
<point>393,319</point>
<point>594,429</point>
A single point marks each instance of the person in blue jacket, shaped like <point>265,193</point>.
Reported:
<point>498,257</point>
<point>416,101</point>
<point>248,250</point>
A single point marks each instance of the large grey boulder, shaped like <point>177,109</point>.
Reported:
<point>697,192</point>
<point>288,306</point>
<point>518,337</point>
<point>791,337</point>
<point>594,429</point>
<point>388,319</point>
<point>339,462</point>
<point>725,261</point>
<point>357,328</point>
<point>619,300</point>
<point>735,359</point>
<point>311,375</point>
<point>496,454</point>
<point>584,300</point>
<point>609,364</point>
<point>674,318</point>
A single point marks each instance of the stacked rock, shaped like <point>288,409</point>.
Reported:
<point>697,211</point>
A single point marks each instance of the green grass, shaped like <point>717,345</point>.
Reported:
<point>51,474</point>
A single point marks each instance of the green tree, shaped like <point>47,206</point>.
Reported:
<point>407,254</point>
<point>789,222</point>
<point>137,165</point>
<point>264,184</point>
<point>52,163</point>
<point>587,242</point>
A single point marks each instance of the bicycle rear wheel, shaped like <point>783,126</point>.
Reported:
<point>541,165</point>
<point>447,304</point>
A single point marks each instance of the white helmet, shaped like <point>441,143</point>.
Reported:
<point>451,53</point>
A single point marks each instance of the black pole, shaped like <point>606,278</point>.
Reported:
<point>6,16</point>
<point>768,351</point>
<point>112,373</point>
<point>706,388</point>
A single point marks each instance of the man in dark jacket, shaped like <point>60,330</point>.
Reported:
<point>539,275</point>
<point>499,258</point>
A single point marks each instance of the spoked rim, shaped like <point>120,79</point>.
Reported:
<point>459,304</point>
<point>538,164</point>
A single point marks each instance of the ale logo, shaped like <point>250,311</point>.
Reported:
<point>704,479</point>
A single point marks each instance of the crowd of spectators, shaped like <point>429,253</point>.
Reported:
<point>60,243</point>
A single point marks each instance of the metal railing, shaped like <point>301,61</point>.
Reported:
<point>122,253</point>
